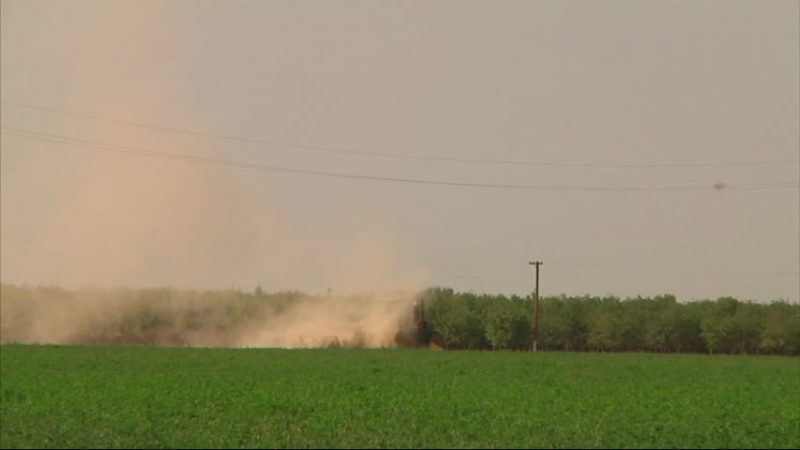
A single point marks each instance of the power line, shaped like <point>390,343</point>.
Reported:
<point>613,266</point>
<point>339,150</point>
<point>68,140</point>
<point>467,268</point>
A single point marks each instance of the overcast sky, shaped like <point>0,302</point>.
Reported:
<point>615,94</point>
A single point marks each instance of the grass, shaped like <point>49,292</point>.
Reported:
<point>192,397</point>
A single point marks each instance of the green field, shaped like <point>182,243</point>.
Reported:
<point>193,397</point>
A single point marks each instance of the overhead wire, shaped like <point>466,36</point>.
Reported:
<point>69,140</point>
<point>380,154</point>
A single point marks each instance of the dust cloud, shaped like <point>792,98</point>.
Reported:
<point>203,318</point>
<point>110,228</point>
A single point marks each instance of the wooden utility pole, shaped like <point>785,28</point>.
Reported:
<point>536,306</point>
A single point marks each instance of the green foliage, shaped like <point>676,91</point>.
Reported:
<point>463,320</point>
<point>458,318</point>
<point>508,324</point>
<point>782,331</point>
<point>659,324</point>
<point>156,397</point>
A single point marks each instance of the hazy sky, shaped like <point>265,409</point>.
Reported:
<point>570,82</point>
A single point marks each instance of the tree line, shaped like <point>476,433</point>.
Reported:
<point>611,324</point>
<point>450,319</point>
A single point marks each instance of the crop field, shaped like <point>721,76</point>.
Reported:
<point>83,396</point>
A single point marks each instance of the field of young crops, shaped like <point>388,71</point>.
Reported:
<point>196,397</point>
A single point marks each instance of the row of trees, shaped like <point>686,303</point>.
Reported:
<point>453,319</point>
<point>657,324</point>
<point>155,316</point>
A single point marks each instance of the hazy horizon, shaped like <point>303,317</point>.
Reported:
<point>586,97</point>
